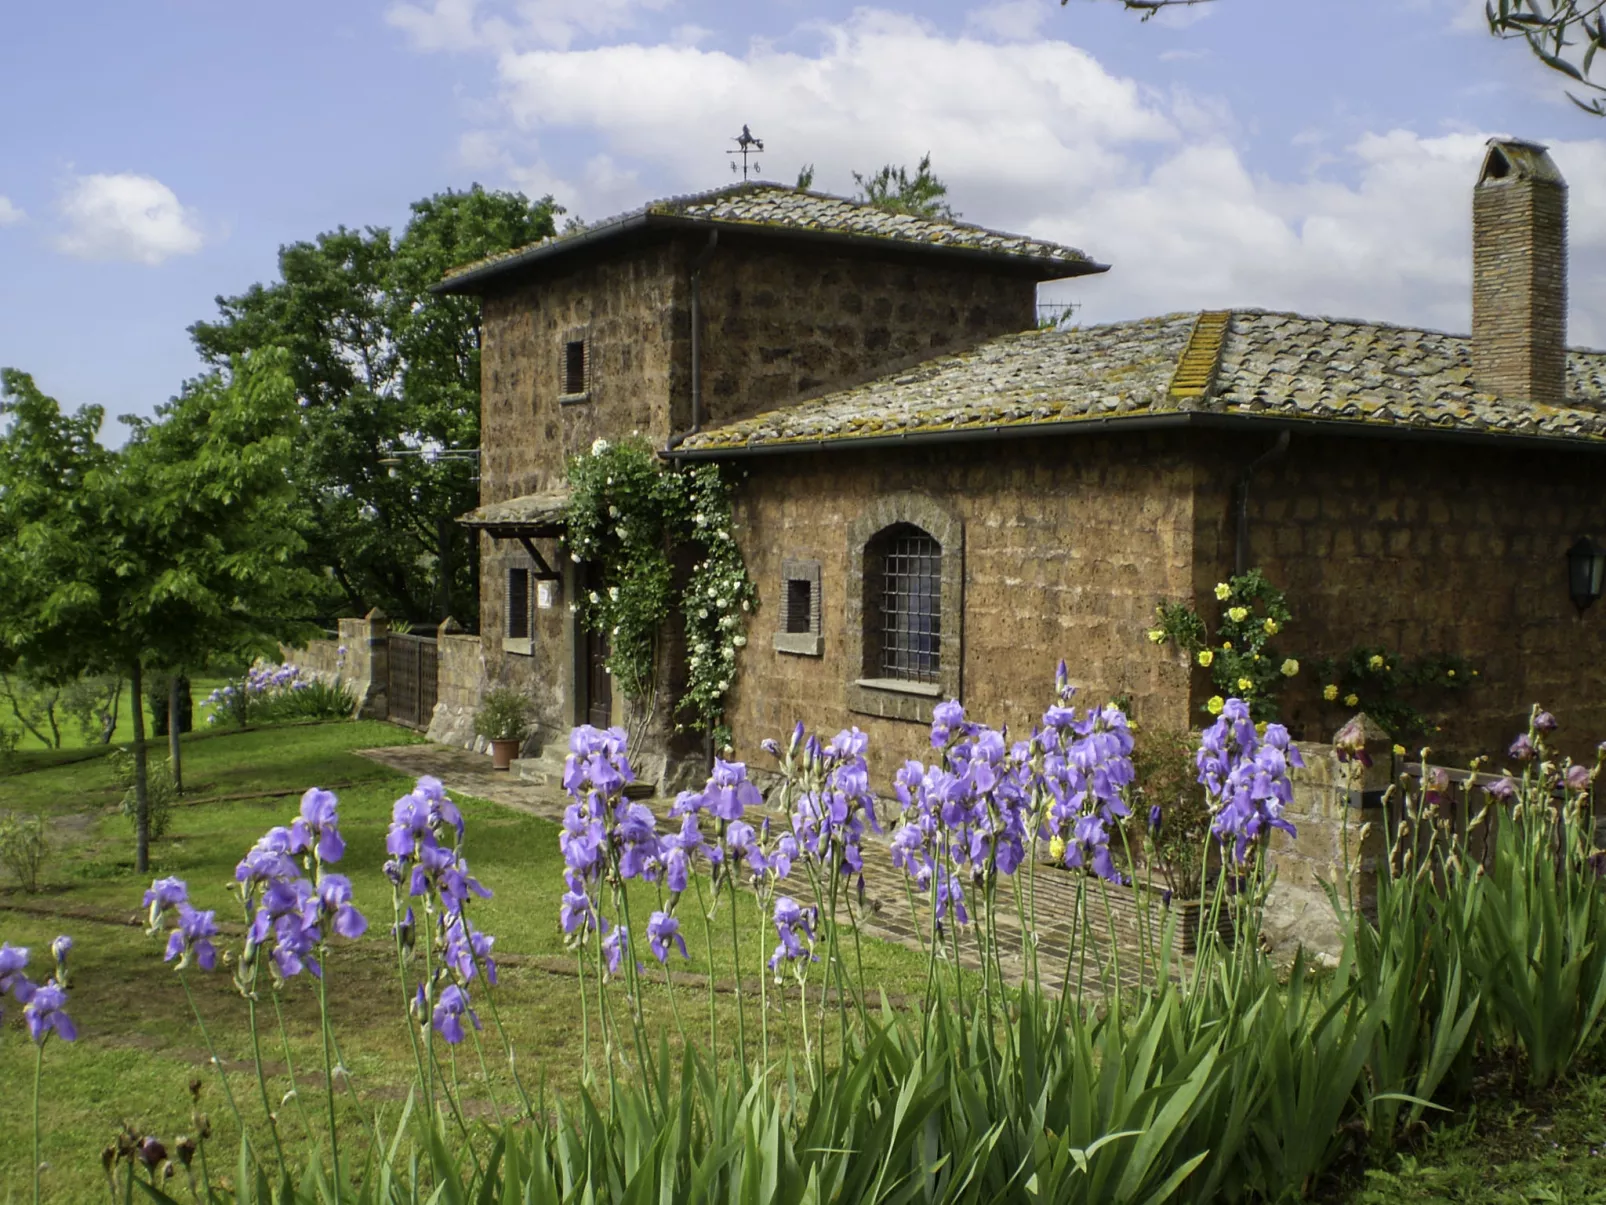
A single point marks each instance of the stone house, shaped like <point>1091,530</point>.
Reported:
<point>936,498</point>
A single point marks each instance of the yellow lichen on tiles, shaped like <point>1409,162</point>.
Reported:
<point>1201,358</point>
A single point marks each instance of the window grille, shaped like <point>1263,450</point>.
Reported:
<point>518,604</point>
<point>799,605</point>
<point>911,607</point>
<point>574,367</point>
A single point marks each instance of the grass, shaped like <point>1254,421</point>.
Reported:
<point>139,1046</point>
<point>73,741</point>
<point>1547,1147</point>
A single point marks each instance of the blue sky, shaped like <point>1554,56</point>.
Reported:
<point>1304,154</point>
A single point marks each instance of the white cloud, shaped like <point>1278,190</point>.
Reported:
<point>472,24</point>
<point>1014,20</point>
<point>1040,138</point>
<point>10,214</point>
<point>125,216</point>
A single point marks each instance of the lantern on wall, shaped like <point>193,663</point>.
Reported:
<point>1586,571</point>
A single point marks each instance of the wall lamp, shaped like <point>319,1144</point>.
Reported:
<point>1586,571</point>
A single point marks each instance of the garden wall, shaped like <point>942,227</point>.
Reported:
<point>357,658</point>
<point>460,681</point>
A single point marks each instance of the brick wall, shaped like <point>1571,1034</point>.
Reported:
<point>1422,548</point>
<point>1067,546</point>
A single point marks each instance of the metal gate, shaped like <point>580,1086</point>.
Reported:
<point>410,692</point>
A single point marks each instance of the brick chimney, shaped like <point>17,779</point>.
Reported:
<point>1519,275</point>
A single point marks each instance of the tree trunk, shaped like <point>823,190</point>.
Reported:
<point>172,733</point>
<point>142,791</point>
<point>108,719</point>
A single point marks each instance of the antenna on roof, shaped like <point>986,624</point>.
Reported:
<point>746,145</point>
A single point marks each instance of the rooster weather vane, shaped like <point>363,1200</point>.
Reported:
<point>746,145</point>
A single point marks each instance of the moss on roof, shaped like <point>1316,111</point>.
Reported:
<point>1250,362</point>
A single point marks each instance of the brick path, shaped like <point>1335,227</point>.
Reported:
<point>885,913</point>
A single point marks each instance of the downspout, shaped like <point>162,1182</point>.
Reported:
<point>697,267</point>
<point>1241,500</point>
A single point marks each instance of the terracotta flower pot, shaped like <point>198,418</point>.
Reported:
<point>503,753</point>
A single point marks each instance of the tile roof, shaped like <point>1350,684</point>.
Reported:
<point>531,514</point>
<point>777,209</point>
<point>1244,362</point>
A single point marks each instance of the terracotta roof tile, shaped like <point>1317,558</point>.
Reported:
<point>779,209</point>
<point>1268,364</point>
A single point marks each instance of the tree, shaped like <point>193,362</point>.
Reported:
<point>379,364</point>
<point>1564,35</point>
<point>893,189</point>
<point>182,545</point>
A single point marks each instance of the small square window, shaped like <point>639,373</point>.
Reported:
<point>574,367</point>
<point>800,630</point>
<point>799,604</point>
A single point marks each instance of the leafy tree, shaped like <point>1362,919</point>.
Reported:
<point>1564,35</point>
<point>379,364</point>
<point>893,189</point>
<point>181,546</point>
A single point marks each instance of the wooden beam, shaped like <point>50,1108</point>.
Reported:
<point>544,572</point>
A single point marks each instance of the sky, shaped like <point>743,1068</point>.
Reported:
<point>1313,155</point>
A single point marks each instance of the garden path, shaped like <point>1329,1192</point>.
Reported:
<point>887,910</point>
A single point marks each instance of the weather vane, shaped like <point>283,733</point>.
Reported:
<point>746,145</point>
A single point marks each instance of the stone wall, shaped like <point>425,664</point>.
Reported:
<point>1067,545</point>
<point>357,658</point>
<point>1422,548</point>
<point>459,685</point>
<point>780,324</point>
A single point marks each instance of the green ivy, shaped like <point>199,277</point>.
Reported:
<point>1378,681</point>
<point>1242,660</point>
<point>635,518</point>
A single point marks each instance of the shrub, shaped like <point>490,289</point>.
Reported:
<point>159,789</point>
<point>1162,760</point>
<point>307,699</point>
<point>24,846</point>
<point>503,715</point>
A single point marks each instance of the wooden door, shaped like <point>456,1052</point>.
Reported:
<point>598,682</point>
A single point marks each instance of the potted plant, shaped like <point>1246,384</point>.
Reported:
<point>501,719</point>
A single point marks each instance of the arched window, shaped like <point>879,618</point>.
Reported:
<point>905,606</point>
<point>906,627</point>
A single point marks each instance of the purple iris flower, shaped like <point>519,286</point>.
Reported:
<point>613,946</point>
<point>1503,789</point>
<point>1155,816</point>
<point>577,909</point>
<point>465,953</point>
<point>13,962</point>
<point>45,1014</point>
<point>793,924</point>
<point>947,722</point>
<point>1545,722</point>
<point>334,900</point>
<point>450,1011</point>
<point>728,793</point>
<point>1522,749</point>
<point>1577,777</point>
<point>191,941</point>
<point>409,824</point>
<point>663,931</point>
<point>162,895</point>
<point>318,826</point>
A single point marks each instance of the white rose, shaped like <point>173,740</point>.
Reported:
<point>613,593</point>
<point>723,687</point>
<point>594,597</point>
<point>745,607</point>
<point>598,447</point>
<point>739,641</point>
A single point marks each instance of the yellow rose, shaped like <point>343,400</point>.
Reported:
<point>1377,661</point>
<point>1245,685</point>
<point>1271,627</point>
<point>1399,750</point>
<point>1056,848</point>
<point>1215,705</point>
<point>1226,644</point>
<point>1156,635</point>
<point>1238,614</point>
<point>1223,591</point>
<point>1206,657</point>
<point>1351,700</point>
<point>1451,672</point>
<point>1329,692</point>
<point>1290,668</point>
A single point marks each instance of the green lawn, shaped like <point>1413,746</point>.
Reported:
<point>139,1046</point>
<point>72,739</point>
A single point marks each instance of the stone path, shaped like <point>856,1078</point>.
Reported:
<point>885,911</point>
